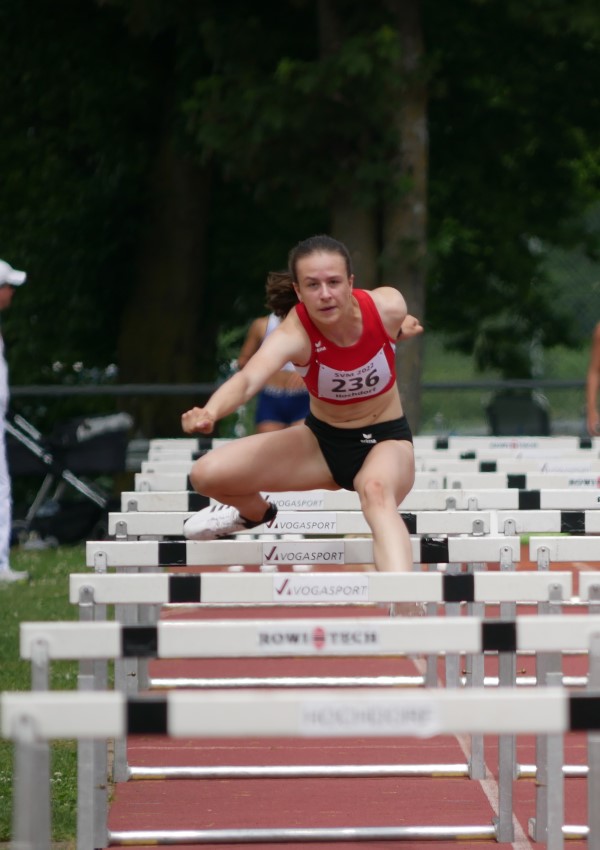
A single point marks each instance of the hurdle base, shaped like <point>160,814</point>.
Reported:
<point>570,832</point>
<point>282,835</point>
<point>361,771</point>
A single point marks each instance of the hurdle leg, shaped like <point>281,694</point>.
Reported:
<point>475,677</point>
<point>31,822</point>
<point>431,661</point>
<point>126,681</point>
<point>148,615</point>
<point>555,782</point>
<point>548,664</point>
<point>507,676</point>
<point>39,752</point>
<point>452,660</point>
<point>92,755</point>
<point>593,788</point>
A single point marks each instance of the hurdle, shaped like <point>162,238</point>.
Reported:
<point>41,642</point>
<point>173,480</point>
<point>28,718</point>
<point>424,462</point>
<point>93,592</point>
<point>327,551</point>
<point>158,524</point>
<point>467,446</point>
<point>427,464</point>
<point>144,481</point>
<point>132,524</point>
<point>103,554</point>
<point>418,499</point>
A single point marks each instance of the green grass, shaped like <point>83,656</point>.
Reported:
<point>463,411</point>
<point>45,597</point>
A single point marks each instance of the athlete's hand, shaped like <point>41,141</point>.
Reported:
<point>410,327</point>
<point>198,420</point>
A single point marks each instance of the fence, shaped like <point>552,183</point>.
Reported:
<point>448,406</point>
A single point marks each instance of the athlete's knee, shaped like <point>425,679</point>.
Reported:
<point>204,475</point>
<point>373,493</point>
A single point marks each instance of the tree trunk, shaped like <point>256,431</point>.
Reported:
<point>357,229</point>
<point>405,222</point>
<point>354,226</point>
<point>161,328</point>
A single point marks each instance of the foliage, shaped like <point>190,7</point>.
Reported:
<point>74,152</point>
<point>289,110</point>
<point>285,126</point>
<point>514,160</point>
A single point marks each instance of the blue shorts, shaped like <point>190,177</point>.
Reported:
<point>345,449</point>
<point>282,406</point>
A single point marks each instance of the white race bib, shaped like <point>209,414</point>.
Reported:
<point>367,380</point>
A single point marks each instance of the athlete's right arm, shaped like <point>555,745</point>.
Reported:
<point>287,342</point>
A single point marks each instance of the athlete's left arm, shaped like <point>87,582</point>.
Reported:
<point>393,311</point>
<point>391,306</point>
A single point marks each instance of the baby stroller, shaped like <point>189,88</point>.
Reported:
<point>91,446</point>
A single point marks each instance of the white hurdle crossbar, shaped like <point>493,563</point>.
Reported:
<point>28,718</point>
<point>426,550</point>
<point>559,464</point>
<point>170,523</point>
<point>546,550</point>
<point>314,588</point>
<point>144,481</point>
<point>156,524</point>
<point>439,499</point>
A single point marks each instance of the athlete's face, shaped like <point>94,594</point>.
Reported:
<point>323,285</point>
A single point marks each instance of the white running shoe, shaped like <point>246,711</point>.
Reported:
<point>219,521</point>
<point>13,575</point>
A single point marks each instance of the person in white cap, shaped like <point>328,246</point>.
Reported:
<point>9,279</point>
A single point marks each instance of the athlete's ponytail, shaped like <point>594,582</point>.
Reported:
<point>281,295</point>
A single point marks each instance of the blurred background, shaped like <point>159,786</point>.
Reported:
<point>159,158</point>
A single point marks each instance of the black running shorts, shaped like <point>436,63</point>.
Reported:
<point>345,449</point>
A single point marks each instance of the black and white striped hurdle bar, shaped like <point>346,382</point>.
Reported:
<point>328,551</point>
<point>170,523</point>
<point>512,443</point>
<point>310,588</point>
<point>438,499</point>
<point>473,444</point>
<point>314,637</point>
<point>169,481</point>
<point>308,713</point>
<point>514,466</point>
<point>567,549</point>
<point>425,458</point>
<point>30,717</point>
<point>179,480</point>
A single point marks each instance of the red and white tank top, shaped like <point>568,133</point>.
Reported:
<point>344,375</point>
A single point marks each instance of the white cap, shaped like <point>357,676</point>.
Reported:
<point>10,276</point>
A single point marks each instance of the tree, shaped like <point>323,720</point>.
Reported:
<point>514,163</point>
<point>149,194</point>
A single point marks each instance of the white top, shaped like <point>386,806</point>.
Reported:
<point>273,322</point>
<point>3,380</point>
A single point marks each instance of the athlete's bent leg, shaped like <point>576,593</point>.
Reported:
<point>385,479</point>
<point>236,473</point>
